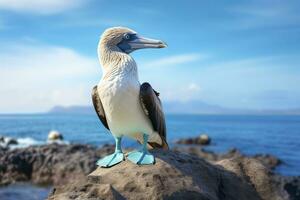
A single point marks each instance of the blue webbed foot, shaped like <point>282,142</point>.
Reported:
<point>111,160</point>
<point>141,157</point>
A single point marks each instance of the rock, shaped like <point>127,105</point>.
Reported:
<point>177,176</point>
<point>5,142</point>
<point>49,164</point>
<point>291,185</point>
<point>55,135</point>
<point>252,171</point>
<point>3,151</point>
<point>1,139</point>
<point>62,164</point>
<point>11,141</point>
<point>203,139</point>
<point>268,160</point>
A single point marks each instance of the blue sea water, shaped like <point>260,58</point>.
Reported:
<point>277,135</point>
<point>23,191</point>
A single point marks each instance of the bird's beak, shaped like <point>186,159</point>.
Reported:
<point>142,43</point>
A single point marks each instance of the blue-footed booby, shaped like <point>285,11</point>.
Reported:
<point>123,105</point>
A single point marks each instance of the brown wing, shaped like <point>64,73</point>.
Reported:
<point>99,107</point>
<point>153,109</point>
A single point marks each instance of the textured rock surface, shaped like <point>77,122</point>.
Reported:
<point>291,185</point>
<point>54,164</point>
<point>177,176</point>
<point>268,160</point>
<point>60,164</point>
<point>202,139</point>
<point>49,164</point>
<point>6,141</point>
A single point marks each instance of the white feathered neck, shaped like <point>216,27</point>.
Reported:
<point>114,61</point>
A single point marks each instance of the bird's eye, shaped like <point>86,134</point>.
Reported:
<point>127,36</point>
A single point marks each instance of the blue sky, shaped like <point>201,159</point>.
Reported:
<point>238,54</point>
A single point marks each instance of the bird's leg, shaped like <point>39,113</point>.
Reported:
<point>114,158</point>
<point>142,157</point>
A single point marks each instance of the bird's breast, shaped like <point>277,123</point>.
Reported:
<point>116,91</point>
<point>120,99</point>
<point>119,91</point>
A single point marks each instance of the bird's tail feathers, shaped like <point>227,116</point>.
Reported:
<point>154,145</point>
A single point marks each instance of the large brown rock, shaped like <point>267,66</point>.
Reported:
<point>177,175</point>
<point>252,171</point>
<point>268,160</point>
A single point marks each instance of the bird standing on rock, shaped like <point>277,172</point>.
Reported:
<point>123,105</point>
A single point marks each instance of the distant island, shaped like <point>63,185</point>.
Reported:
<point>187,107</point>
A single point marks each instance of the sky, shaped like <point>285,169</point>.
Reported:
<point>236,54</point>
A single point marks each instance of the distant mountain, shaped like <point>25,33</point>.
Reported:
<point>186,107</point>
<point>193,107</point>
<point>280,112</point>
<point>72,109</point>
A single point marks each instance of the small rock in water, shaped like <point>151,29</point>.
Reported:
<point>6,141</point>
<point>54,136</point>
<point>203,139</point>
<point>12,141</point>
<point>1,139</point>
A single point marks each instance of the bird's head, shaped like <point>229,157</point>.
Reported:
<point>126,40</point>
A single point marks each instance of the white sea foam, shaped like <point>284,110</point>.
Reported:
<point>26,142</point>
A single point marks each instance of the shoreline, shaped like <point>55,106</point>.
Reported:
<point>55,165</point>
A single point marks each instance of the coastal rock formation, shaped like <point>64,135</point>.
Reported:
<point>5,142</point>
<point>291,185</point>
<point>203,139</point>
<point>177,176</point>
<point>49,164</point>
<point>54,163</point>
<point>268,160</point>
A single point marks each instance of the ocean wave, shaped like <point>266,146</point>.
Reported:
<point>26,142</point>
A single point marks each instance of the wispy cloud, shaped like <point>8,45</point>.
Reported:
<point>267,14</point>
<point>40,6</point>
<point>238,82</point>
<point>176,60</point>
<point>193,87</point>
<point>183,92</point>
<point>34,78</point>
<point>81,22</point>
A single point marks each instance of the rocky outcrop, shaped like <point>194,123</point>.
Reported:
<point>268,160</point>
<point>183,169</point>
<point>5,142</point>
<point>55,164</point>
<point>177,176</point>
<point>291,185</point>
<point>202,139</point>
<point>49,164</point>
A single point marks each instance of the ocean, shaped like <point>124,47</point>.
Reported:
<point>277,135</point>
<point>273,134</point>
